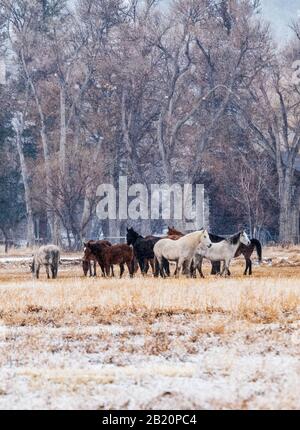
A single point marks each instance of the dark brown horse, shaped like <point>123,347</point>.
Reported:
<point>107,256</point>
<point>247,251</point>
<point>89,258</point>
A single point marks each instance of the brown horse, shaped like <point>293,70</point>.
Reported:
<point>173,232</point>
<point>89,258</point>
<point>107,256</point>
<point>246,250</point>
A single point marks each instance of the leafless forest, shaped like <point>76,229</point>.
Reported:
<point>196,92</point>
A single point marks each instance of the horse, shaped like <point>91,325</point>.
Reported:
<point>176,234</point>
<point>181,251</point>
<point>89,257</point>
<point>173,232</point>
<point>224,250</point>
<point>244,250</point>
<point>49,256</point>
<point>143,250</point>
<point>107,256</point>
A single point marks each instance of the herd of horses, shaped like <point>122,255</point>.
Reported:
<point>187,251</point>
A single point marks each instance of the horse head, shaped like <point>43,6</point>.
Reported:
<point>131,236</point>
<point>244,239</point>
<point>205,239</point>
<point>87,252</point>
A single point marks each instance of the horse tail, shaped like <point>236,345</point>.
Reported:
<point>258,247</point>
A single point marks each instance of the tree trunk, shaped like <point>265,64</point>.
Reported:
<point>56,238</point>
<point>63,131</point>
<point>285,209</point>
<point>19,125</point>
<point>46,152</point>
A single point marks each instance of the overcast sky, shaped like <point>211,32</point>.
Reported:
<point>280,13</point>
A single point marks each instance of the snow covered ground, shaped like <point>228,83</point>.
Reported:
<point>118,367</point>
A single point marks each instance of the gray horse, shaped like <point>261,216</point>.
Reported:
<point>48,256</point>
<point>221,251</point>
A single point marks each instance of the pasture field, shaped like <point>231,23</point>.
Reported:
<point>94,343</point>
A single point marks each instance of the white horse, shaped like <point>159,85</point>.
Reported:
<point>181,251</point>
<point>221,251</point>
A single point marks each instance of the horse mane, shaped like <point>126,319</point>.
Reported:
<point>215,238</point>
<point>135,233</point>
<point>235,238</point>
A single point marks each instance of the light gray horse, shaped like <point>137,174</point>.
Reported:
<point>220,251</point>
<point>181,251</point>
<point>48,256</point>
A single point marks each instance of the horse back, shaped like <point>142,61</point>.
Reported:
<point>118,254</point>
<point>47,254</point>
<point>143,247</point>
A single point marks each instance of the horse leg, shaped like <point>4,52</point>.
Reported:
<point>187,268</point>
<point>226,267</point>
<point>146,266</point>
<point>107,268</point>
<point>37,272</point>
<point>141,264</point>
<point>103,268</point>
<point>90,268</point>
<point>248,267</point>
<point>47,271</point>
<point>121,269</point>
<point>176,269</point>
<point>135,264</point>
<point>152,265</point>
<point>197,263</point>
<point>53,271</point>
<point>223,268</point>
<point>200,268</point>
<point>179,266</point>
<point>166,266</point>
<point>156,268</point>
<point>193,269</point>
<point>161,267</point>
<point>215,267</point>
<point>130,266</point>
<point>95,269</point>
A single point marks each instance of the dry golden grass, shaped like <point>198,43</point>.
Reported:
<point>63,301</point>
